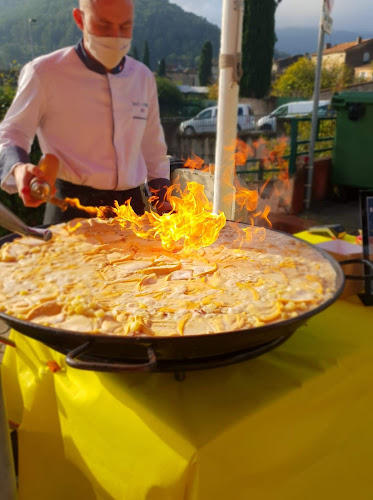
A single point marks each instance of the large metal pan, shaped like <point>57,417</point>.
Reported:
<point>102,352</point>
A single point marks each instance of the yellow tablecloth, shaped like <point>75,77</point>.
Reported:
<point>296,423</point>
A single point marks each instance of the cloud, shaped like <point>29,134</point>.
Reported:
<point>356,15</point>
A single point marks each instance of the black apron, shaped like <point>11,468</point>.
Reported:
<point>89,197</point>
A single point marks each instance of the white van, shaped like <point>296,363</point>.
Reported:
<point>205,121</point>
<point>269,122</point>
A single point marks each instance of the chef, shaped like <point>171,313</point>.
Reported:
<point>96,110</point>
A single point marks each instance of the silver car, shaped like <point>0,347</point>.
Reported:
<point>205,121</point>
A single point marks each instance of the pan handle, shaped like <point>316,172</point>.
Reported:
<point>104,366</point>
<point>368,263</point>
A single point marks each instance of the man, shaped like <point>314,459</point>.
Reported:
<point>96,110</point>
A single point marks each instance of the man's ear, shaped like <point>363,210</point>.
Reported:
<point>78,18</point>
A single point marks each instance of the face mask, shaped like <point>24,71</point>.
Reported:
<point>109,51</point>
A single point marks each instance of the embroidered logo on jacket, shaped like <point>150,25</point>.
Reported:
<point>140,110</point>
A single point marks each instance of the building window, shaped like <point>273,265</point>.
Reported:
<point>366,57</point>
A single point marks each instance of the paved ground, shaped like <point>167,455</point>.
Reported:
<point>346,213</point>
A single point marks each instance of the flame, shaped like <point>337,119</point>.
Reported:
<point>191,221</point>
<point>242,152</point>
<point>100,212</point>
<point>196,163</point>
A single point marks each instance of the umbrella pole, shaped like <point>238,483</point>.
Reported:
<point>229,76</point>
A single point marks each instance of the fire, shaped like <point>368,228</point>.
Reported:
<point>196,163</point>
<point>191,224</point>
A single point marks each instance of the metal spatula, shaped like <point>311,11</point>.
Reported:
<point>10,221</point>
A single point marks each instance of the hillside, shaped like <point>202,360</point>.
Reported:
<point>295,40</point>
<point>171,33</point>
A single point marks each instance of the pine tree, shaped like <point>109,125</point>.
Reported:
<point>161,71</point>
<point>205,65</point>
<point>258,43</point>
<point>146,57</point>
<point>135,53</point>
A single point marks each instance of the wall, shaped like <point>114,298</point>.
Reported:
<point>260,107</point>
<point>356,87</point>
<point>355,56</point>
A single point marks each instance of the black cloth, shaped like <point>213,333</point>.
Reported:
<point>89,197</point>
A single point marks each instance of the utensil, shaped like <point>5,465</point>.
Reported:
<point>10,221</point>
<point>41,189</point>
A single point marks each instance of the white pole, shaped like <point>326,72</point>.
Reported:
<point>316,97</point>
<point>229,75</point>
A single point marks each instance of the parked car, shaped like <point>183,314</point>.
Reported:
<point>290,109</point>
<point>205,121</point>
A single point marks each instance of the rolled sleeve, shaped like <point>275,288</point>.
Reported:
<point>18,129</point>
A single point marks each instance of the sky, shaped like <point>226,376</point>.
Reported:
<point>347,15</point>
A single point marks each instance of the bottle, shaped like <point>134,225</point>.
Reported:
<point>41,188</point>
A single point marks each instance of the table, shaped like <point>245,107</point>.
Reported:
<point>295,423</point>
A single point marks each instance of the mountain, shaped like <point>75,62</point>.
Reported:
<point>295,40</point>
<point>171,33</point>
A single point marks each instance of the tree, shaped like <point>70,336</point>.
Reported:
<point>258,43</point>
<point>135,53</point>
<point>146,57</point>
<point>161,71</point>
<point>298,80</point>
<point>169,96</point>
<point>205,65</point>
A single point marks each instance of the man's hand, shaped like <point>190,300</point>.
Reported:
<point>164,208</point>
<point>23,174</point>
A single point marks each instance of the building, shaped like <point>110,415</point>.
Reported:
<point>193,91</point>
<point>364,72</point>
<point>280,65</point>
<point>182,76</point>
<point>353,54</point>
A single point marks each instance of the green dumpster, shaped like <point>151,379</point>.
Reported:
<point>353,145</point>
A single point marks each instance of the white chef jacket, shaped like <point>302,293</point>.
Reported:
<point>103,127</point>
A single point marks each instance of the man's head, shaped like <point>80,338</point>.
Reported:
<point>106,18</point>
<point>107,28</point>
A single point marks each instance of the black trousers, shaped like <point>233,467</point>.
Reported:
<point>89,197</point>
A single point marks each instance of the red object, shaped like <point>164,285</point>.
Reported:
<point>53,366</point>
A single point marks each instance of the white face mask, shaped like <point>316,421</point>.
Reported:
<point>109,51</point>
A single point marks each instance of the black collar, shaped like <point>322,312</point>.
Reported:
<point>94,65</point>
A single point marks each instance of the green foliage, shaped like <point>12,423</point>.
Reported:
<point>326,129</point>
<point>205,65</point>
<point>298,80</point>
<point>171,33</point>
<point>8,87</point>
<point>161,71</point>
<point>146,56</point>
<point>135,53</point>
<point>257,47</point>
<point>169,96</point>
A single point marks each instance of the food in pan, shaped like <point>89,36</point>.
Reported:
<point>96,276</point>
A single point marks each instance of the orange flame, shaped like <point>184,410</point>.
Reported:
<point>191,224</point>
<point>100,212</point>
<point>191,221</point>
<point>196,163</point>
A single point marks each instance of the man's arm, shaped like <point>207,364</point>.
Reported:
<point>17,132</point>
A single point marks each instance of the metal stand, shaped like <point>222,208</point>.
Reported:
<point>366,297</point>
<point>8,488</point>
